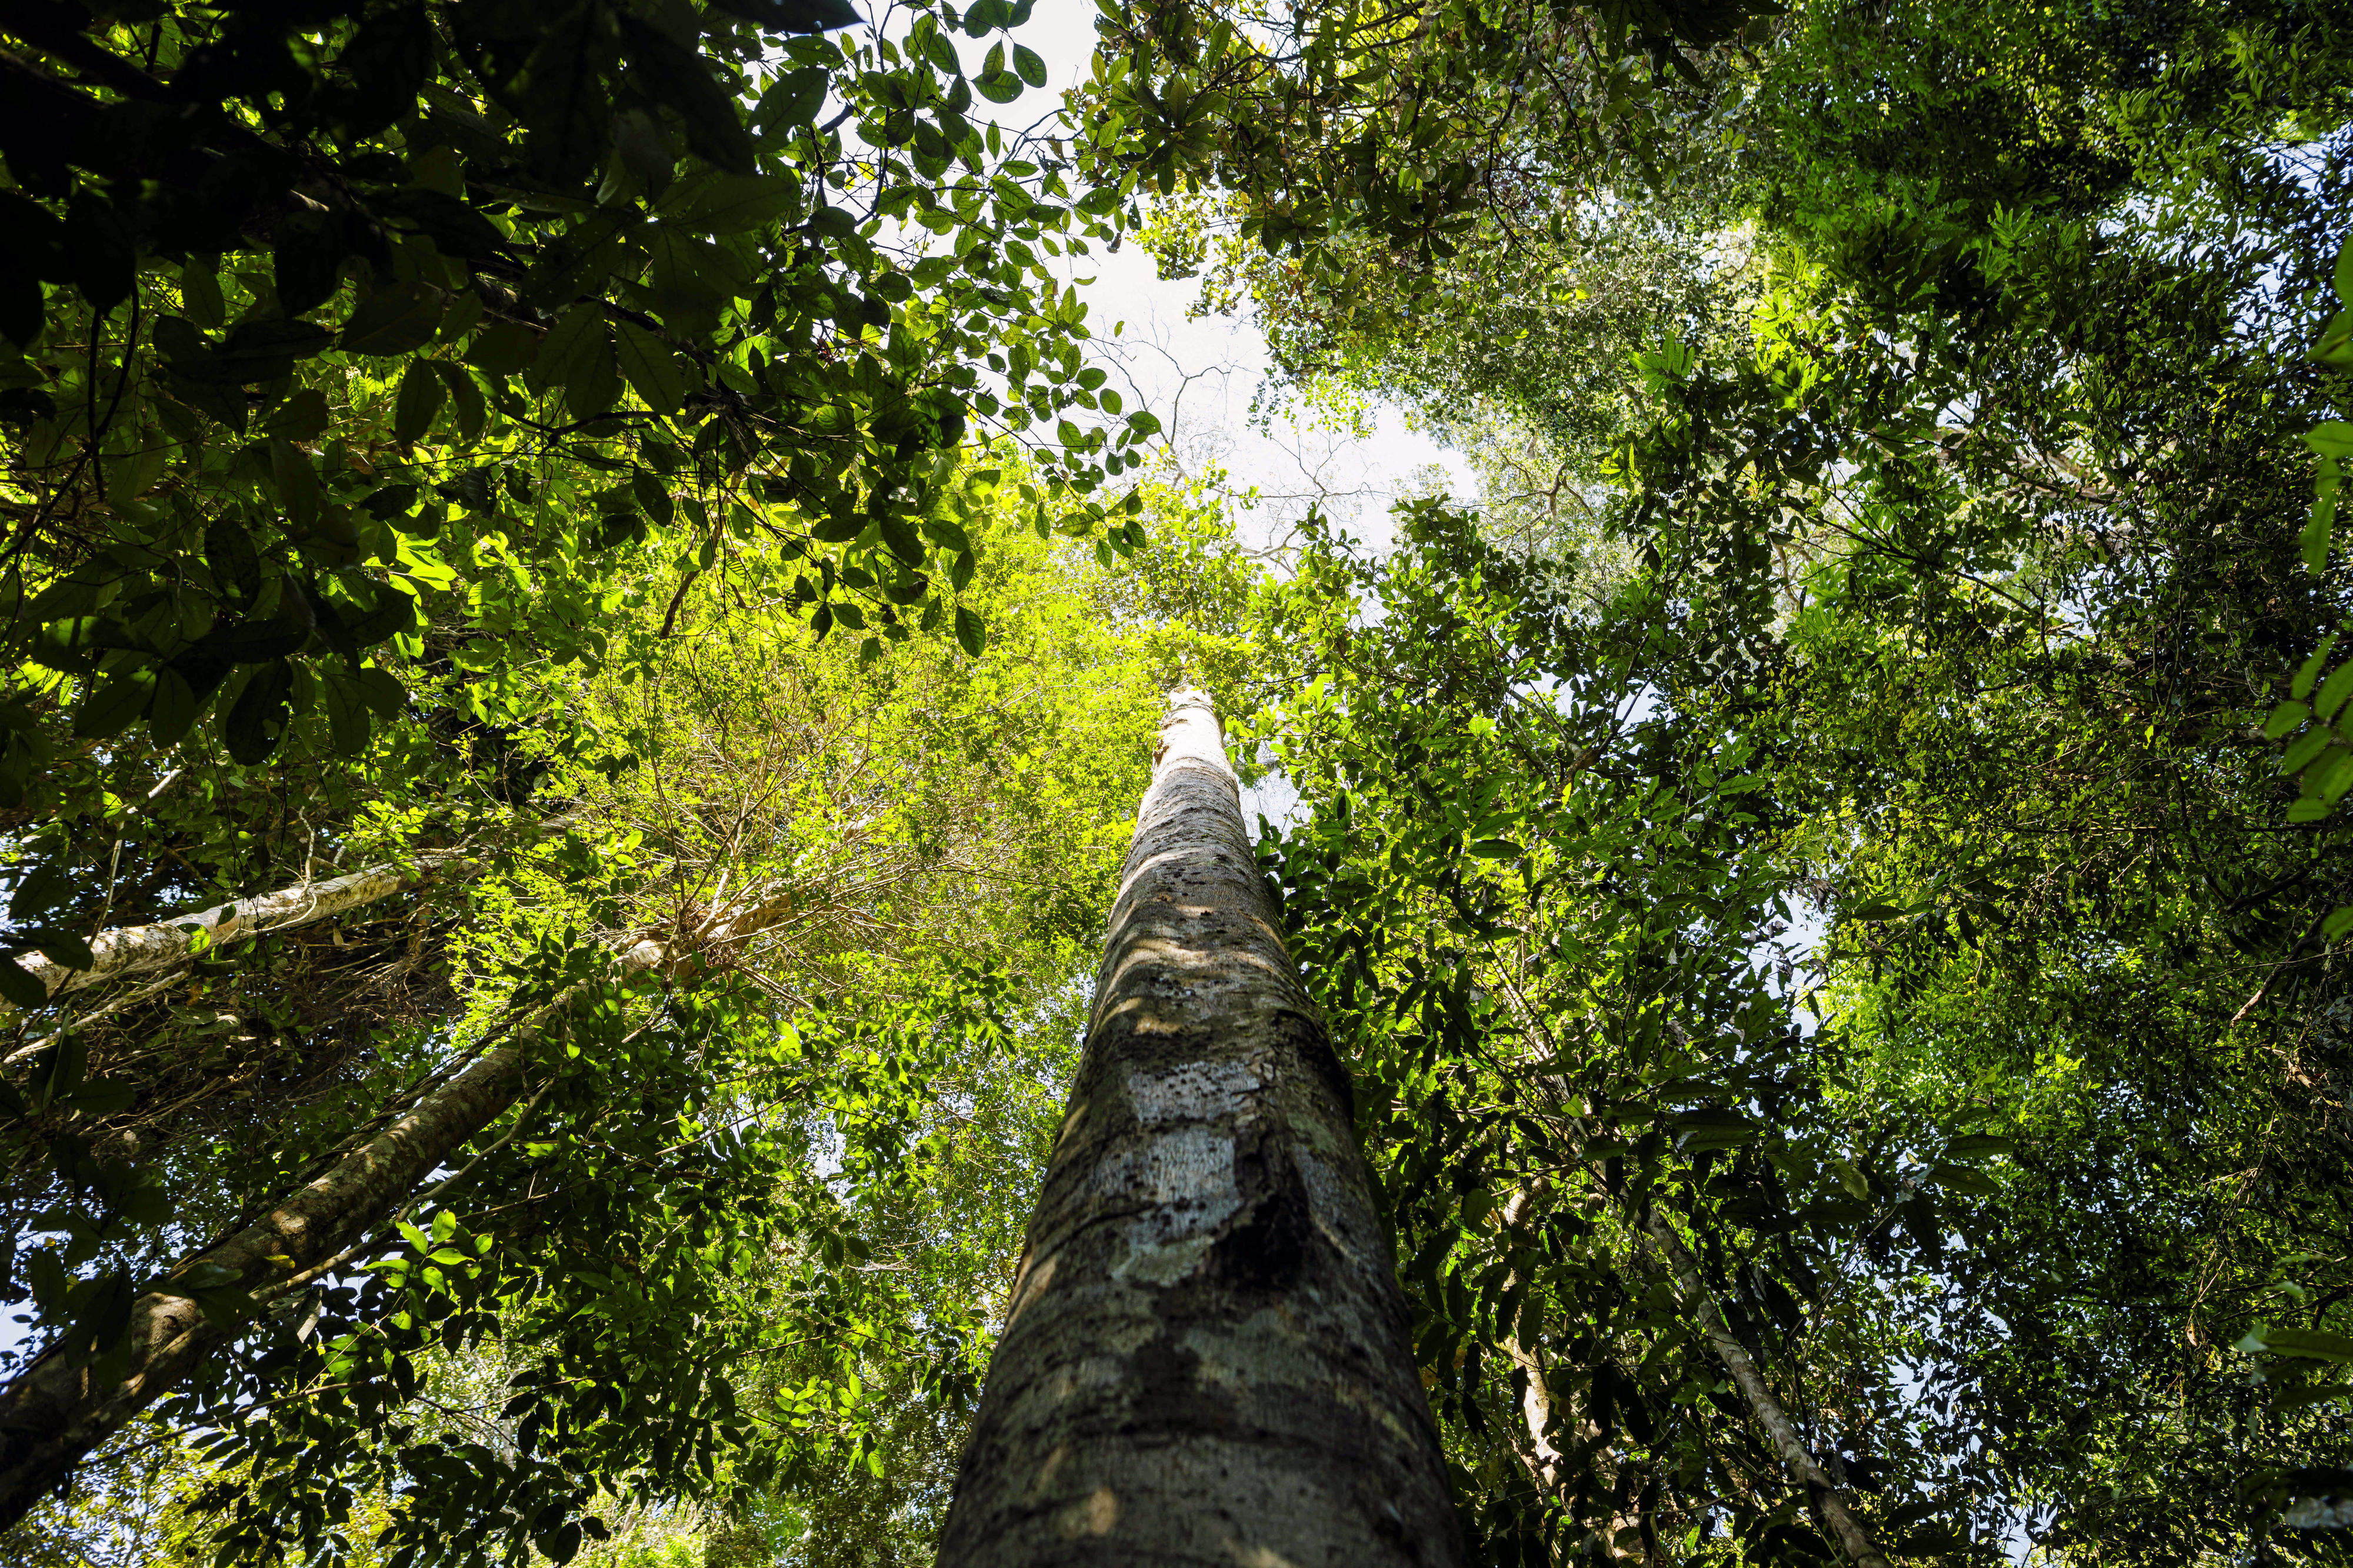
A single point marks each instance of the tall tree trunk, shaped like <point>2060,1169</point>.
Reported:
<point>1830,1503</point>
<point>55,1413</point>
<point>1204,1357</point>
<point>128,951</point>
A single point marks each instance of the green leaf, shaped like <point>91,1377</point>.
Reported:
<point>2339,921</point>
<point>117,702</point>
<point>395,320</point>
<point>43,888</point>
<point>2311,1344</point>
<point>679,78</point>
<point>251,728</point>
<point>301,418</point>
<point>2288,1399</point>
<point>200,295</point>
<point>571,345</point>
<point>653,496</point>
<point>348,721</point>
<point>176,709</point>
<point>102,1098</point>
<point>455,228</point>
<point>794,16</point>
<point>901,539</point>
<point>972,633</point>
<point>465,398</point>
<point>2319,531</point>
<point>2300,755</point>
<point>1980,1146</point>
<point>2285,719</point>
<point>651,366</point>
<point>2333,691</point>
<point>308,252</point>
<point>1003,87</point>
<point>563,97</point>
<point>383,693</point>
<point>1495,849</point>
<point>1713,1128</point>
<point>2343,276</point>
<point>66,948</point>
<point>2331,438</point>
<point>422,391</point>
<point>1031,66</point>
<point>2310,669</point>
<point>560,1546</point>
<point>20,988</point>
<point>297,479</point>
<point>793,98</point>
<point>505,348</point>
<point>731,203</point>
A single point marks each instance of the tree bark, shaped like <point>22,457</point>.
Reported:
<point>1205,1358</point>
<point>53,1414</point>
<point>1547,1465</point>
<point>128,951</point>
<point>1830,1502</point>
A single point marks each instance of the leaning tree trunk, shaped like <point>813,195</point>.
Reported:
<point>1204,1357</point>
<point>128,951</point>
<point>1828,1502</point>
<point>56,1412</point>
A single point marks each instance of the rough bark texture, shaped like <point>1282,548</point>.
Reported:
<point>1204,1357</point>
<point>54,1414</point>
<point>130,951</point>
<point>1830,1502</point>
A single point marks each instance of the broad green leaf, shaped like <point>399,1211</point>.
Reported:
<point>731,203</point>
<point>971,633</point>
<point>2285,718</point>
<point>297,479</point>
<point>64,948</point>
<point>251,725</point>
<point>176,709</point>
<point>793,98</point>
<point>2333,693</point>
<point>2331,438</point>
<point>679,78</point>
<point>2320,529</point>
<point>504,348</point>
<point>117,702</point>
<point>348,720</point>
<point>2311,1344</point>
<point>472,415</point>
<point>422,392</point>
<point>651,366</point>
<point>21,989</point>
<point>395,320</point>
<point>304,416</point>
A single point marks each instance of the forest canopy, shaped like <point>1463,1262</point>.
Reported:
<point>583,624</point>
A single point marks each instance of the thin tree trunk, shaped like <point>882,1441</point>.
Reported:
<point>1204,1357</point>
<point>54,1414</point>
<point>1547,1465</point>
<point>128,951</point>
<point>1830,1502</point>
